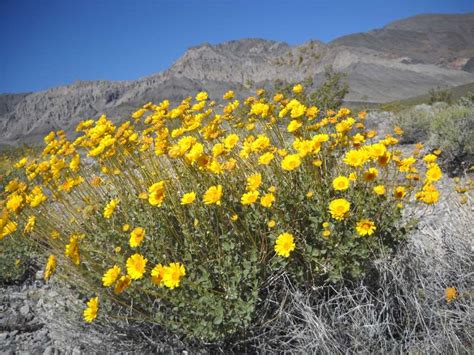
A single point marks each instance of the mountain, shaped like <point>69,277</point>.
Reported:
<point>404,59</point>
<point>440,39</point>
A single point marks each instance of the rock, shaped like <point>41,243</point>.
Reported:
<point>12,334</point>
<point>39,275</point>
<point>50,350</point>
<point>25,310</point>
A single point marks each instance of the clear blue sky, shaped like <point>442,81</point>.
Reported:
<point>45,43</point>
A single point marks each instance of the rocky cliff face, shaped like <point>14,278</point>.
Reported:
<point>404,59</point>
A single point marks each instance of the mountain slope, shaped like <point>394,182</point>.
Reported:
<point>442,39</point>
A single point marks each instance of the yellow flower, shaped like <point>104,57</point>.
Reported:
<point>173,274</point>
<point>125,228</point>
<point>271,223</point>
<point>75,162</point>
<point>38,197</point>
<point>254,181</point>
<point>213,195</point>
<point>398,130</point>
<point>30,225</point>
<point>284,244</point>
<point>317,163</point>
<point>21,163</point>
<point>377,150</point>
<point>405,164</point>
<point>371,174</point>
<point>297,109</point>
<point>326,233</point>
<point>50,267</point>
<point>365,227</point>
<point>355,158</point>
<point>90,313</point>
<point>156,194</point>
<point>339,208</point>
<point>228,95</point>
<point>312,112</point>
<point>278,97</point>
<point>96,181</point>
<point>267,200</point>
<point>234,217</point>
<point>379,190</point>
<point>249,198</point>
<point>428,195</point>
<point>260,109</point>
<point>298,88</point>
<point>430,158</point>
<point>110,208</point>
<point>201,96</point>
<point>218,150</point>
<point>400,192</point>
<point>136,237</point>
<point>14,202</point>
<point>305,147</point>
<point>340,183</point>
<point>294,125</point>
<point>72,250</point>
<point>111,275</point>
<point>136,266</point>
<point>266,158</point>
<point>433,173</point>
<point>157,275</point>
<point>188,198</point>
<point>291,162</point>
<point>450,294</point>
<point>137,114</point>
<point>122,284</point>
<point>7,229</point>
<point>230,141</point>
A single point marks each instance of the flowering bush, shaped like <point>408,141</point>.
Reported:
<point>181,214</point>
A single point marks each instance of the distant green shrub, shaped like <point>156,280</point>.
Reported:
<point>15,259</point>
<point>415,123</point>
<point>467,100</point>
<point>449,128</point>
<point>330,94</point>
<point>440,95</point>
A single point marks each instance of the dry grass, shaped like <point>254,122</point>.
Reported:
<point>399,308</point>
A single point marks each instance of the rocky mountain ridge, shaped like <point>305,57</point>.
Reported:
<point>404,59</point>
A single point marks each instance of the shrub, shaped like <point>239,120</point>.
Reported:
<point>330,94</point>
<point>182,214</point>
<point>16,253</point>
<point>405,309</point>
<point>440,95</point>
<point>450,128</point>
